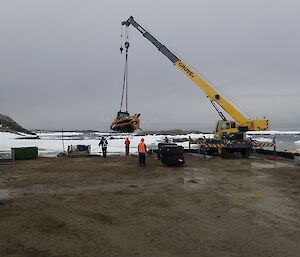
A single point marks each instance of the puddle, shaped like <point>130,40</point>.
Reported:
<point>195,180</point>
<point>72,188</point>
<point>192,169</point>
<point>5,194</point>
<point>192,182</point>
<point>117,187</point>
<point>258,165</point>
<point>264,176</point>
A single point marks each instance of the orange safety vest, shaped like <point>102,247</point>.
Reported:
<point>142,148</point>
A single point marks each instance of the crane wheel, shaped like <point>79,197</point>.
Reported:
<point>246,153</point>
<point>223,152</point>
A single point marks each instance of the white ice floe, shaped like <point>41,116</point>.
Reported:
<point>264,140</point>
<point>52,143</point>
<point>297,145</point>
<point>273,132</point>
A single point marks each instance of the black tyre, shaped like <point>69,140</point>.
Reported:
<point>173,160</point>
<point>172,150</point>
<point>246,153</point>
<point>223,152</point>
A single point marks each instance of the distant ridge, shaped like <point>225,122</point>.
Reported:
<point>7,124</point>
<point>169,132</point>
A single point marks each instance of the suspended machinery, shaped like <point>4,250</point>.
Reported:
<point>124,122</point>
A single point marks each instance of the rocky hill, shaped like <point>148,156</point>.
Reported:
<point>7,124</point>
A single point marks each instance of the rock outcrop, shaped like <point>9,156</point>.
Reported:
<point>7,124</point>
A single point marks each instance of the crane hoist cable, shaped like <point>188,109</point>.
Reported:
<point>125,75</point>
<point>125,123</point>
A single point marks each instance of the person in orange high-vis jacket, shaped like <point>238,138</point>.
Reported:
<point>127,145</point>
<point>142,150</point>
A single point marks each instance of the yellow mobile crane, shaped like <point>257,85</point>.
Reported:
<point>230,135</point>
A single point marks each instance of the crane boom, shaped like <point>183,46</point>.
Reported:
<point>211,93</point>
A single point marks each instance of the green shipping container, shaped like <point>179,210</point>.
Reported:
<point>25,153</point>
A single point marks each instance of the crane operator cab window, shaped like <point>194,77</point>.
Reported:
<point>122,115</point>
<point>223,125</point>
<point>233,124</point>
<point>226,127</point>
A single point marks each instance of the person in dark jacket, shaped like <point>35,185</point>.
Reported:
<point>103,142</point>
<point>127,146</point>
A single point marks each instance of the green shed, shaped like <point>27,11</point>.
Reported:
<point>24,153</point>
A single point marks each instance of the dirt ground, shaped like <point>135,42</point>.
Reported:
<point>111,207</point>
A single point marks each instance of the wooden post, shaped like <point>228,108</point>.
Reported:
<point>62,139</point>
<point>274,147</point>
<point>204,147</point>
<point>13,157</point>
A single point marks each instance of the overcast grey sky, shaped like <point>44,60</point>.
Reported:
<point>60,65</point>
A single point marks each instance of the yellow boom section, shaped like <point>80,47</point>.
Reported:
<point>243,123</point>
<point>212,94</point>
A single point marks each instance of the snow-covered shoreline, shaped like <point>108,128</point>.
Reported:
<point>51,143</point>
<point>273,132</point>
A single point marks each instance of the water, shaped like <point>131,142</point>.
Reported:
<point>283,142</point>
<point>4,194</point>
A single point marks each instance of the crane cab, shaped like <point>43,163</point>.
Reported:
<point>225,128</point>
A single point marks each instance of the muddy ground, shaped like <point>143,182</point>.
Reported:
<point>111,207</point>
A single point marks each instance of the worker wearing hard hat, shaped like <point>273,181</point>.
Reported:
<point>103,143</point>
<point>142,150</point>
